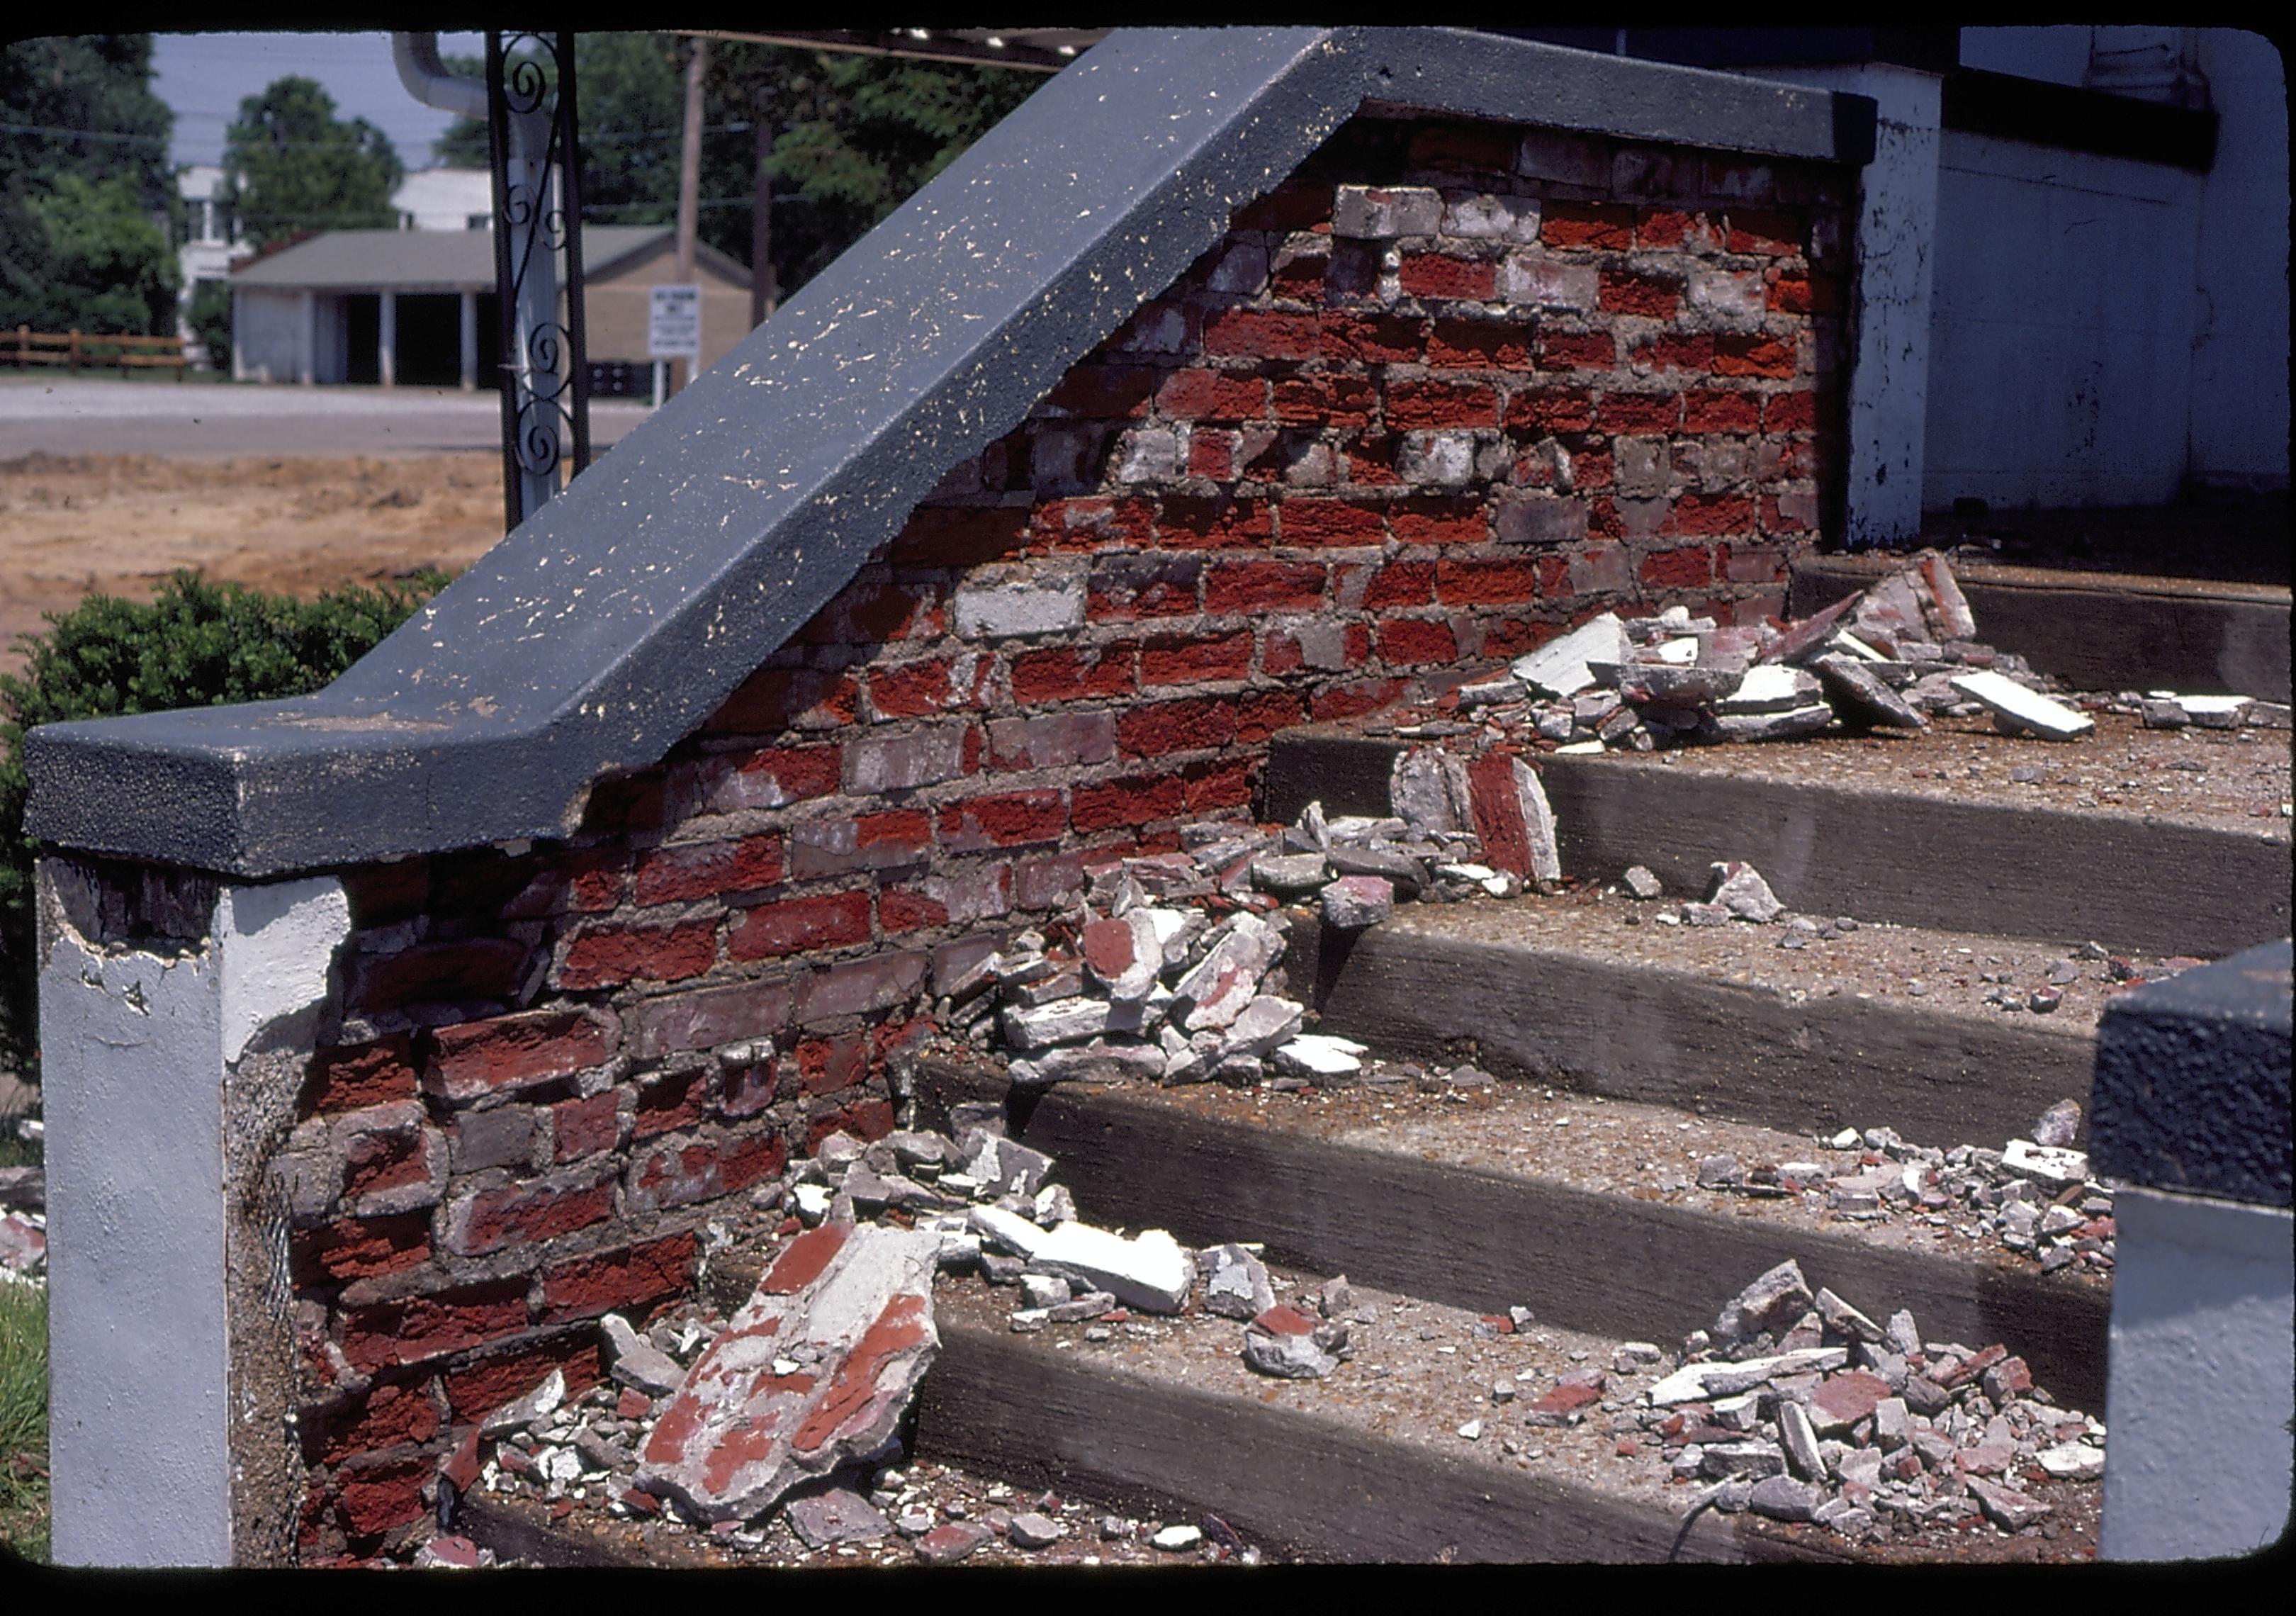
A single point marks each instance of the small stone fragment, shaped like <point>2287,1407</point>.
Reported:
<point>1739,888</point>
<point>837,1515</point>
<point>1174,1538</point>
<point>1642,884</point>
<point>951,1541</point>
<point>2059,1124</point>
<point>637,1362</point>
<point>1029,1530</point>
<point>1785,1498</point>
<point>1353,902</point>
<point>1236,1282</point>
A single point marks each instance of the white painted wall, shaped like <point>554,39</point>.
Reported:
<point>2062,327</point>
<point>2239,346</point>
<point>2198,1397</point>
<point>265,332</point>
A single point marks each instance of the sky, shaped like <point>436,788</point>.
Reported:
<point>204,76</point>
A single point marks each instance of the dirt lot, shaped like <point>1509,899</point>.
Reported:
<point>122,523</point>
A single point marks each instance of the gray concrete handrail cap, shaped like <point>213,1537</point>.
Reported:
<point>607,627</point>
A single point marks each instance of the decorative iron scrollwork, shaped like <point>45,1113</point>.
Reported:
<point>546,392</point>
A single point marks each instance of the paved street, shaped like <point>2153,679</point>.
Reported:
<point>225,420</point>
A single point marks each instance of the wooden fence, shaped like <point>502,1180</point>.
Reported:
<point>81,349</point>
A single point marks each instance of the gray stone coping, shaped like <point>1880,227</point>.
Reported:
<point>2192,1091</point>
<point>609,626</point>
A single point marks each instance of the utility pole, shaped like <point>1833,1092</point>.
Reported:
<point>689,182</point>
<point>764,293</point>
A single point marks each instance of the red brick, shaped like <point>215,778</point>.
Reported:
<point>776,699</point>
<point>1662,227</point>
<point>486,1384</point>
<point>380,894</point>
<point>1789,412</point>
<point>1211,455</point>
<point>828,1066</point>
<point>389,1417</point>
<point>1405,642</point>
<point>440,972</point>
<point>1417,405</point>
<point>1789,513</point>
<point>1067,673</point>
<point>1211,524</point>
<point>1301,279</point>
<point>1605,225</point>
<point>1437,521</point>
<point>667,1103</point>
<point>1254,335</point>
<point>1260,713</point>
<point>1624,291</point>
<point>959,535</point>
<point>1199,394</point>
<point>1010,820</point>
<point>712,869</point>
<point>862,986</point>
<point>1137,800</point>
<point>1581,351</point>
<point>1092,523</point>
<point>1752,564</point>
<point>1104,392</point>
<point>1399,584</point>
<point>1299,204</point>
<point>1351,700</point>
<point>375,1497</point>
<point>1052,740</point>
<point>797,925</point>
<point>1330,521</point>
<point>1248,587</point>
<point>349,1076</point>
<point>1710,514</point>
<point>1763,231</point>
<point>1674,350</point>
<point>1551,409</point>
<point>584,1127</point>
<point>1487,583</point>
<point>422,1327</point>
<point>1498,813</point>
<point>1163,727</point>
<point>608,956</point>
<point>1789,294</point>
<point>1623,413</point>
<point>914,690</point>
<point>1435,274</point>
<point>872,842</point>
<point>628,1281</point>
<point>1712,412</point>
<point>1480,344</point>
<point>359,1247</point>
<point>1462,145</point>
<point>1186,659</point>
<point>1740,354</point>
<point>1371,461</point>
<point>374,1161</point>
<point>1213,786</point>
<point>532,1211</point>
<point>1333,400</point>
<point>476,1058</point>
<point>1374,338</point>
<point>1686,568</point>
<point>872,613</point>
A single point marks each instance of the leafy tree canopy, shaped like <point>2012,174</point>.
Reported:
<point>289,165</point>
<point>95,85</point>
<point>86,256</point>
<point>854,136</point>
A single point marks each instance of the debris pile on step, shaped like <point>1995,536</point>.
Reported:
<point>793,1404</point>
<point>2034,1197</point>
<point>1799,1406</point>
<point>1887,657</point>
<point>1169,972</point>
<point>2166,709</point>
<point>24,1224</point>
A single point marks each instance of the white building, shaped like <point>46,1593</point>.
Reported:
<point>429,200</point>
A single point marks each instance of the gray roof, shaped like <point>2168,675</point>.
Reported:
<point>447,260</point>
<point>613,622</point>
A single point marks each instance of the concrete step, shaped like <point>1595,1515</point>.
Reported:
<point>1484,1203</point>
<point>1358,1467</point>
<point>1844,826</point>
<point>1882,1025</point>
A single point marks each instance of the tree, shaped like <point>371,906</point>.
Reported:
<point>289,165</point>
<point>82,178</point>
<point>854,136</point>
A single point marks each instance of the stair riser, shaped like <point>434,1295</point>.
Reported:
<point>1604,1264</point>
<point>2010,872</point>
<point>1671,1039</point>
<point>1310,1488</point>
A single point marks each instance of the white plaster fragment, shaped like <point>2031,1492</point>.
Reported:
<point>276,943</point>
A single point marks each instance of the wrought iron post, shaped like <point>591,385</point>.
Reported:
<point>545,372</point>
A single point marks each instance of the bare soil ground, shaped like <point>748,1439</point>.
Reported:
<point>120,524</point>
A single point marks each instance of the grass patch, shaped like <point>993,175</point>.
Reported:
<point>23,1420</point>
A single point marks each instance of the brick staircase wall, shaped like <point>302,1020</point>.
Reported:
<point>1373,442</point>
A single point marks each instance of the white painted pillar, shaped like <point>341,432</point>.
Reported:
<point>2198,1398</point>
<point>238,348</point>
<point>307,336</point>
<point>1889,303</point>
<point>469,378</point>
<point>150,1052</point>
<point>386,341</point>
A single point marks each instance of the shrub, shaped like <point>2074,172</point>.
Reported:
<point>195,644</point>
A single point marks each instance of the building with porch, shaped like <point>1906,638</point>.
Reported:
<point>418,306</point>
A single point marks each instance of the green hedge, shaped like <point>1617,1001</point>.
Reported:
<point>195,644</point>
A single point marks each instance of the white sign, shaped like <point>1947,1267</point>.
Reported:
<point>674,322</point>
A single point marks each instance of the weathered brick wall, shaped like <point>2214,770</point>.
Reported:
<point>1346,459</point>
